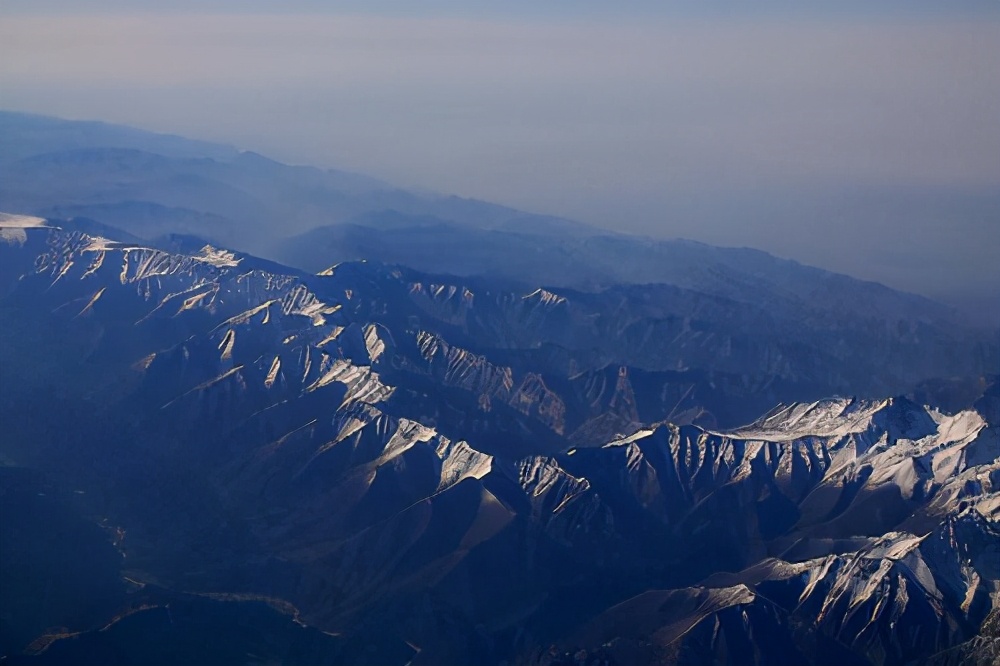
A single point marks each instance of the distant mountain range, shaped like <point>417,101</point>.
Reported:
<point>149,186</point>
<point>152,184</point>
<point>211,456</point>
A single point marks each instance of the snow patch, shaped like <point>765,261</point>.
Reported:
<point>461,461</point>
<point>408,434</point>
<point>545,297</point>
<point>226,346</point>
<point>373,343</point>
<point>13,236</point>
<point>90,303</point>
<point>334,334</point>
<point>15,221</point>
<point>363,385</point>
<point>825,418</point>
<point>217,257</point>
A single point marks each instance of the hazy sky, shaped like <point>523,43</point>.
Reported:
<point>859,136</point>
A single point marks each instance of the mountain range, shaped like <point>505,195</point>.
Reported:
<point>410,429</point>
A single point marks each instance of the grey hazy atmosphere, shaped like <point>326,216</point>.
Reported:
<point>863,140</point>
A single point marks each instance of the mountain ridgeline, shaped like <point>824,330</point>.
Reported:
<point>379,464</point>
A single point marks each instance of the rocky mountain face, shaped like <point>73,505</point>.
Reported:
<point>376,465</point>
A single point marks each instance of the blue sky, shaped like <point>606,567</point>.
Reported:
<point>857,136</point>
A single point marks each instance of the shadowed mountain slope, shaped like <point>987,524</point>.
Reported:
<point>457,472</point>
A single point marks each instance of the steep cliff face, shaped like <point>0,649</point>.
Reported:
<point>404,458</point>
